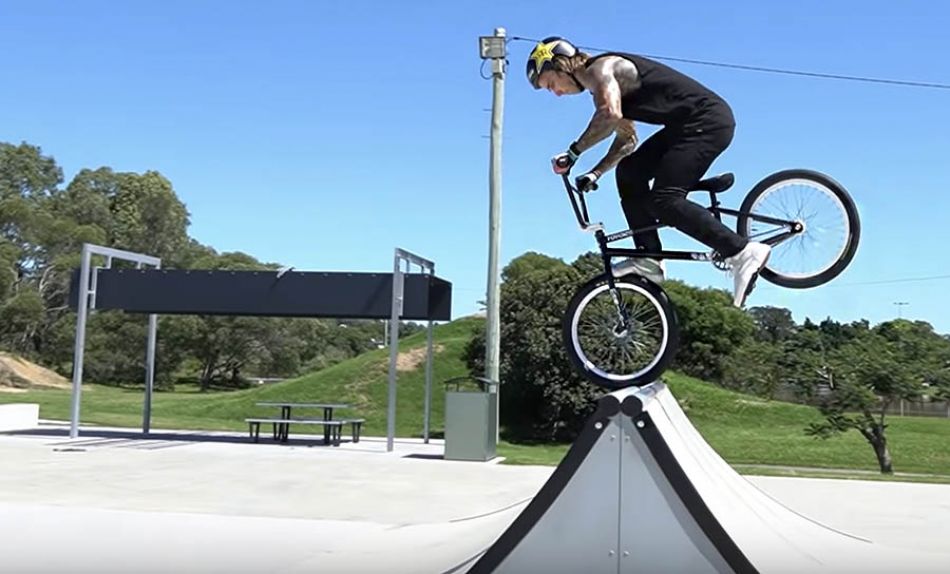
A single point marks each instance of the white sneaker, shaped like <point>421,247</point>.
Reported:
<point>745,267</point>
<point>644,266</point>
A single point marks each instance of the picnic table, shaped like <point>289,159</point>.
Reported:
<point>285,408</point>
<point>331,426</point>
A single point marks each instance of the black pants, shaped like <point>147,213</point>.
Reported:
<point>675,158</point>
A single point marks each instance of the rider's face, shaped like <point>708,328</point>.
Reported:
<point>558,83</point>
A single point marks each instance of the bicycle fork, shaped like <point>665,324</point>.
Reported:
<point>623,321</point>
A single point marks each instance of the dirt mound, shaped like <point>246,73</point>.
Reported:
<point>409,360</point>
<point>17,373</point>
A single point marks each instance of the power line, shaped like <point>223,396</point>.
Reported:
<point>900,280</point>
<point>877,282</point>
<point>889,81</point>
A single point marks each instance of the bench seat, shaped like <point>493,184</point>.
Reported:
<point>355,426</point>
<point>282,427</point>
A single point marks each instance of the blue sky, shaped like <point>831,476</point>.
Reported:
<point>325,134</point>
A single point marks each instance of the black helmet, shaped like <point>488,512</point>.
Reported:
<point>541,57</point>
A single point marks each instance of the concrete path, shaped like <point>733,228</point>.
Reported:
<point>112,501</point>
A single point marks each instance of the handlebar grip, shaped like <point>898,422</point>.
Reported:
<point>563,162</point>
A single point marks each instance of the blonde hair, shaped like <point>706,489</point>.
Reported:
<point>570,64</point>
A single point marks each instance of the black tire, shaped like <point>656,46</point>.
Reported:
<point>655,298</point>
<point>836,264</point>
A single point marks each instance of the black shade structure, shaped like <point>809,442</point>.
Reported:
<point>151,290</point>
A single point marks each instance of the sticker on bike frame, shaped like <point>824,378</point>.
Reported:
<point>619,236</point>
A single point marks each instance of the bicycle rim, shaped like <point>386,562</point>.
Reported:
<point>607,350</point>
<point>827,233</point>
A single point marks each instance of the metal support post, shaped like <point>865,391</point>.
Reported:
<point>88,280</point>
<point>80,345</point>
<point>149,373</point>
<point>428,399</point>
<point>397,307</point>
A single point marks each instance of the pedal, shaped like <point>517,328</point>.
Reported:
<point>718,261</point>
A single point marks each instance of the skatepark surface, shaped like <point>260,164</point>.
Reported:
<point>114,500</point>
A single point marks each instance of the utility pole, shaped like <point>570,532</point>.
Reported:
<point>494,48</point>
<point>900,305</point>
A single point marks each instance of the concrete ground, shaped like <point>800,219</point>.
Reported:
<point>114,501</point>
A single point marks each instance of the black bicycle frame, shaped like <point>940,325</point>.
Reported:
<point>603,240</point>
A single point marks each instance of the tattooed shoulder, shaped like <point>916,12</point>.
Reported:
<point>621,69</point>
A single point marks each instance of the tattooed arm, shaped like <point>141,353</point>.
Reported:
<point>607,79</point>
<point>623,145</point>
<point>606,91</point>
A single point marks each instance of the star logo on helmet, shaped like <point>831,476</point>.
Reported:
<point>542,53</point>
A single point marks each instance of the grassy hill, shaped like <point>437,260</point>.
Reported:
<point>361,382</point>
<point>746,430</point>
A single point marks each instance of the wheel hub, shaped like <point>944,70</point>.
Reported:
<point>621,331</point>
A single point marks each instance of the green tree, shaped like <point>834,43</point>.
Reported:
<point>26,173</point>
<point>773,324</point>
<point>222,346</point>
<point>225,345</point>
<point>28,181</point>
<point>529,263</point>
<point>589,265</point>
<point>940,385</point>
<point>835,334</point>
<point>88,199</point>
<point>755,367</point>
<point>148,216</point>
<point>711,329</point>
<point>864,378</point>
<point>542,397</point>
<point>115,352</point>
<point>8,268</point>
<point>224,350</point>
<point>28,284</point>
<point>870,371</point>
<point>20,317</point>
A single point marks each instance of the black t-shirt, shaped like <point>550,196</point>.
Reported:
<point>670,98</point>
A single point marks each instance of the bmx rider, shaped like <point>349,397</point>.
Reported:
<point>697,126</point>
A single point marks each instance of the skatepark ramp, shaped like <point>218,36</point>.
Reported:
<point>640,490</point>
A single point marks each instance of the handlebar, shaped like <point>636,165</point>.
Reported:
<point>579,210</point>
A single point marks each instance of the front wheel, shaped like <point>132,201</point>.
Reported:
<point>821,233</point>
<point>615,349</point>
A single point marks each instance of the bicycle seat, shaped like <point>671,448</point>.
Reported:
<point>715,184</point>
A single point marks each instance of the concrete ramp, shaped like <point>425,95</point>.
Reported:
<point>641,491</point>
<point>437,548</point>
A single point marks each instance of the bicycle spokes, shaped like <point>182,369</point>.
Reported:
<point>622,338</point>
<point>806,224</point>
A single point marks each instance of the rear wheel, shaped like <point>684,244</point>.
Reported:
<point>829,227</point>
<point>614,353</point>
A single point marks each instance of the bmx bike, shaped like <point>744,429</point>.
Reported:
<point>622,331</point>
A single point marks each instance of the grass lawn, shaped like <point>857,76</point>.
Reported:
<point>755,435</point>
<point>767,437</point>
